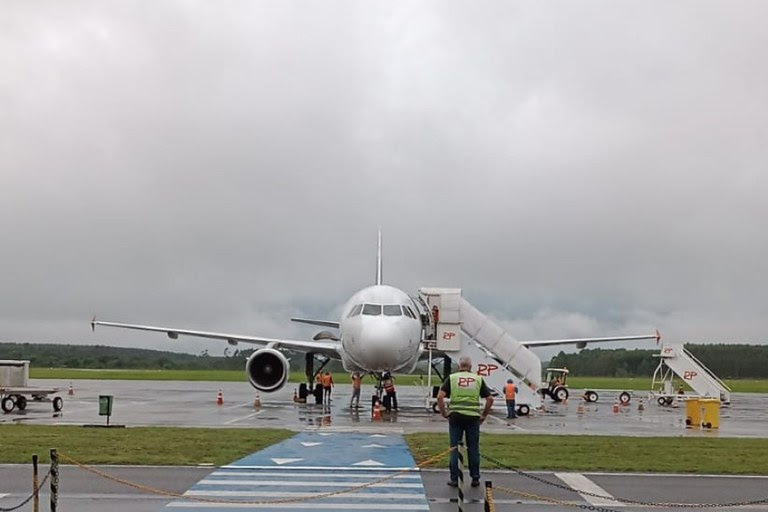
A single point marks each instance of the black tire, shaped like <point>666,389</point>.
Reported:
<point>661,401</point>
<point>624,398</point>
<point>58,404</point>
<point>8,404</point>
<point>560,394</point>
<point>435,409</point>
<point>668,400</point>
<point>523,410</point>
<point>591,396</point>
<point>21,402</point>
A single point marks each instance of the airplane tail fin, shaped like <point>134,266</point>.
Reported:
<point>379,276</point>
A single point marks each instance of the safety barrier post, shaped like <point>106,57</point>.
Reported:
<point>460,487</point>
<point>36,502</point>
<point>488,505</point>
<point>54,479</point>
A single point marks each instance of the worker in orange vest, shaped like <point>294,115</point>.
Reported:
<point>509,394</point>
<point>357,381</point>
<point>390,398</point>
<point>327,386</point>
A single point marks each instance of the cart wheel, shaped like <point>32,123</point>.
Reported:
<point>58,404</point>
<point>661,401</point>
<point>591,396</point>
<point>435,408</point>
<point>8,404</point>
<point>624,398</point>
<point>669,400</point>
<point>523,410</point>
<point>21,402</point>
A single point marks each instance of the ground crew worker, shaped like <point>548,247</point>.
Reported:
<point>681,390</point>
<point>388,383</point>
<point>509,394</point>
<point>465,389</point>
<point>356,384</point>
<point>327,386</point>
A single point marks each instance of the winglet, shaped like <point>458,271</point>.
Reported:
<point>379,277</point>
<point>658,336</point>
<point>93,324</point>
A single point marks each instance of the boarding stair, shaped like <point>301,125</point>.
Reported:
<point>459,329</point>
<point>674,358</point>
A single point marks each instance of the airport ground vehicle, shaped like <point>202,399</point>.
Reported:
<point>16,397</point>
<point>557,388</point>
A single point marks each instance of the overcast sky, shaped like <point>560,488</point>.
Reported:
<point>577,168</point>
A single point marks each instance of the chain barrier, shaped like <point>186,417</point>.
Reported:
<point>35,492</point>
<point>629,501</point>
<point>161,492</point>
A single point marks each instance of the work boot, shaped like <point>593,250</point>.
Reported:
<point>453,483</point>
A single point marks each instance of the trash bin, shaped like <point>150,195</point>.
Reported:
<point>710,412</point>
<point>692,412</point>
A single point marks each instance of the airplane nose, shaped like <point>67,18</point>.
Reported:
<point>385,345</point>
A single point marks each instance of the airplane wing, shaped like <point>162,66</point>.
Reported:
<point>582,342</point>
<point>323,323</point>
<point>326,347</point>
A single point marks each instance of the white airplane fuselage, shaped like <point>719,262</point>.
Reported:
<point>380,331</point>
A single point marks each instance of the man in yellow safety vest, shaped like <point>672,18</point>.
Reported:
<point>465,389</point>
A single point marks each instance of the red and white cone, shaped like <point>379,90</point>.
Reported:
<point>71,390</point>
<point>219,398</point>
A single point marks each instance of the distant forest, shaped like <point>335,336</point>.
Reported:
<point>727,361</point>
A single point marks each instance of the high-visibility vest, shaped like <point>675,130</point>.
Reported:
<point>509,391</point>
<point>356,381</point>
<point>465,393</point>
<point>389,386</point>
<point>327,380</point>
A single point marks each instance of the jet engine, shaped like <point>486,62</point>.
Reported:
<point>267,369</point>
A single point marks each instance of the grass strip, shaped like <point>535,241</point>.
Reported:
<point>638,384</point>
<point>610,453</point>
<point>139,445</point>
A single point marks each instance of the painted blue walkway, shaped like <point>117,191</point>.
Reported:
<point>290,475</point>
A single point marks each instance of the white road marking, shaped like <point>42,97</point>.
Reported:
<point>369,462</point>
<point>288,494</point>
<point>285,473</point>
<point>581,483</point>
<point>315,505</point>
<point>329,468</point>
<point>244,404</point>
<point>285,461</point>
<point>310,444</point>
<point>377,435</point>
<point>313,483</point>
<point>374,445</point>
<point>243,418</point>
<point>3,495</point>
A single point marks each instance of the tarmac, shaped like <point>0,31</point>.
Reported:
<point>350,448</point>
<point>193,404</point>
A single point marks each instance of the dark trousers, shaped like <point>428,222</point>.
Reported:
<point>511,409</point>
<point>460,426</point>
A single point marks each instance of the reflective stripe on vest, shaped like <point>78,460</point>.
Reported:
<point>465,393</point>
<point>509,391</point>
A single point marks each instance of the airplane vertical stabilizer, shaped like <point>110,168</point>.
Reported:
<point>379,277</point>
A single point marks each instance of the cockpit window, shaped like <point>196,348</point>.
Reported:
<point>372,309</point>
<point>392,310</point>
<point>355,310</point>
<point>407,311</point>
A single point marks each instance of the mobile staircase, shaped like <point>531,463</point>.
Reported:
<point>674,359</point>
<point>458,329</point>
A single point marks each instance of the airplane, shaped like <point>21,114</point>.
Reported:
<point>381,330</point>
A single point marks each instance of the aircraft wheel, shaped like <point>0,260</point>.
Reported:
<point>591,396</point>
<point>561,394</point>
<point>624,398</point>
<point>661,401</point>
<point>58,404</point>
<point>435,409</point>
<point>21,402</point>
<point>8,404</point>
<point>523,410</point>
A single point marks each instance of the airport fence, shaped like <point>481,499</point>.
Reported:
<point>36,486</point>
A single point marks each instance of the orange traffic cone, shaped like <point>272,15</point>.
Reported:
<point>219,398</point>
<point>616,406</point>
<point>295,395</point>
<point>257,400</point>
<point>580,407</point>
<point>640,406</point>
<point>71,390</point>
<point>377,411</point>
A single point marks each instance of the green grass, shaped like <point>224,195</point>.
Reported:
<point>192,446</point>
<point>610,453</point>
<point>628,383</point>
<point>140,445</point>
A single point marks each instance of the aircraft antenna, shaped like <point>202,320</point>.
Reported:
<point>379,276</point>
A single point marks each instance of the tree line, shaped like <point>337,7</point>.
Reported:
<point>727,361</point>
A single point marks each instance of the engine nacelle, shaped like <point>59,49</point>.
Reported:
<point>267,369</point>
